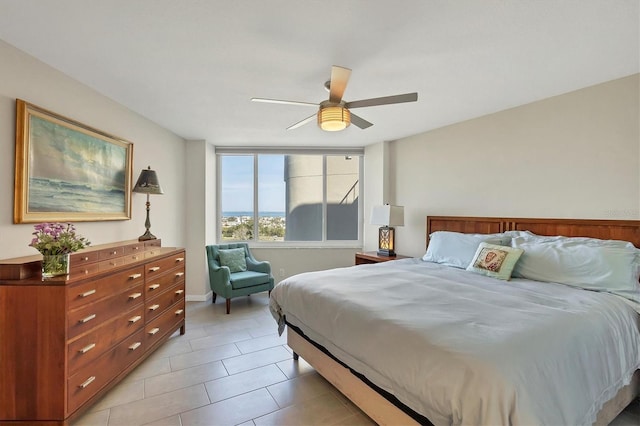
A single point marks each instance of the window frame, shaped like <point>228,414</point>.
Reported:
<point>255,152</point>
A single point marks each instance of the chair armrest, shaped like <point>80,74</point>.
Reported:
<point>259,266</point>
<point>219,273</point>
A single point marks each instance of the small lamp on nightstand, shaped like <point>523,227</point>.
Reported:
<point>388,216</point>
<point>148,184</point>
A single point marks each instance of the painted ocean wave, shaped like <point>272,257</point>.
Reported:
<point>52,195</point>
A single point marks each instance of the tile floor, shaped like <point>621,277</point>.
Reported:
<point>226,370</point>
<point>233,370</point>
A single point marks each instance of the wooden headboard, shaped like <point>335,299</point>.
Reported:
<point>626,230</point>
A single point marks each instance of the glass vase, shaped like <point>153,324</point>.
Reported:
<point>54,265</point>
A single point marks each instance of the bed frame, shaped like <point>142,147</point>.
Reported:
<point>385,412</point>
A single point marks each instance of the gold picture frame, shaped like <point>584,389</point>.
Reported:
<point>66,171</point>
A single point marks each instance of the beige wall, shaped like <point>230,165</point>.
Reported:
<point>571,156</point>
<point>286,262</point>
<point>22,76</point>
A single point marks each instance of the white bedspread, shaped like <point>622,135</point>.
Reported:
<point>461,348</point>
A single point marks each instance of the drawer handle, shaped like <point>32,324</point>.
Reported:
<point>179,291</point>
<point>136,248</point>
<point>87,319</point>
<point>85,258</point>
<point>114,252</point>
<point>154,269</point>
<point>134,276</point>
<point>179,311</point>
<point>135,295</point>
<point>135,257</point>
<point>135,319</point>
<point>88,293</point>
<point>154,331</point>
<point>179,274</point>
<point>87,348</point>
<point>135,346</point>
<point>179,259</point>
<point>154,307</point>
<point>154,286</point>
<point>87,382</point>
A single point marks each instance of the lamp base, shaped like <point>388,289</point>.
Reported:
<point>147,236</point>
<point>386,241</point>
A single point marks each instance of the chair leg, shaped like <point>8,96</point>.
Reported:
<point>214,297</point>
<point>228,306</point>
<point>269,294</point>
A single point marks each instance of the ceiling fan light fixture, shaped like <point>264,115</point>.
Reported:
<point>334,118</point>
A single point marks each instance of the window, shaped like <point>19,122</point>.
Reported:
<point>290,197</point>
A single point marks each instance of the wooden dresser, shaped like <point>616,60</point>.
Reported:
<point>65,341</point>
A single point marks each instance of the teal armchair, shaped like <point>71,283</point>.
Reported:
<point>255,279</point>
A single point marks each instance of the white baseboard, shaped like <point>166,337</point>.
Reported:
<point>199,297</point>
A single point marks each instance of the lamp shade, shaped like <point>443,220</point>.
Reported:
<point>148,182</point>
<point>387,215</point>
<point>333,118</point>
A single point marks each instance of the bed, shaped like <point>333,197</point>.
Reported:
<point>415,342</point>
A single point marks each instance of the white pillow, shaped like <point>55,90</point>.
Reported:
<point>531,237</point>
<point>494,260</point>
<point>457,249</point>
<point>600,265</point>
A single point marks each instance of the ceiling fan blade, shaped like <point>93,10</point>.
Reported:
<point>397,99</point>
<point>303,122</point>
<point>280,101</point>
<point>339,79</point>
<point>360,122</point>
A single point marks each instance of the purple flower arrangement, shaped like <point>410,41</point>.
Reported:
<point>57,238</point>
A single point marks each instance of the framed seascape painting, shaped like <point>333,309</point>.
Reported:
<point>66,171</point>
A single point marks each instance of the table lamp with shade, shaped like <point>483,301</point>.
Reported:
<point>388,216</point>
<point>147,184</point>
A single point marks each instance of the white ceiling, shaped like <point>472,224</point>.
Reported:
<point>193,65</point>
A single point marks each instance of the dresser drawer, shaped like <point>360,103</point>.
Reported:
<point>151,252</point>
<point>134,248</point>
<point>156,305</point>
<point>87,317</point>
<point>133,253</point>
<point>106,265</point>
<point>155,268</point>
<point>164,324</point>
<point>133,257</point>
<point>149,244</point>
<point>93,344</point>
<point>84,269</point>
<point>91,378</point>
<point>158,284</point>
<point>82,294</point>
<point>110,253</point>
<point>82,258</point>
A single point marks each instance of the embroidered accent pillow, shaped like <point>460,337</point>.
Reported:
<point>495,261</point>
<point>234,259</point>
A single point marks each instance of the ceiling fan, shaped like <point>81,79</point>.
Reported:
<point>334,114</point>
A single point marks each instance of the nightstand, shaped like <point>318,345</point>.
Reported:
<point>365,257</point>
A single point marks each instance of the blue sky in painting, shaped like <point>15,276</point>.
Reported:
<point>61,153</point>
